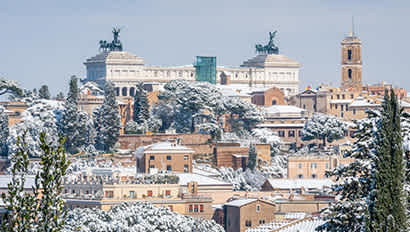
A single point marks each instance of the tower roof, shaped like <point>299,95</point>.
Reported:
<point>271,60</point>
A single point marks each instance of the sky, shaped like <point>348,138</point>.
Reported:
<point>45,42</point>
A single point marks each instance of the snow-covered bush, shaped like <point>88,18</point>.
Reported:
<point>248,180</point>
<point>41,116</point>
<point>135,217</point>
<point>269,137</point>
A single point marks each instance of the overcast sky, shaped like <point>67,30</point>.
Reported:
<point>45,42</point>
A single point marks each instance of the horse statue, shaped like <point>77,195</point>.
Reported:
<point>115,45</point>
<point>270,48</point>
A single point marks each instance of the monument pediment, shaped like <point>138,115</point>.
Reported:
<point>115,57</point>
<point>271,60</point>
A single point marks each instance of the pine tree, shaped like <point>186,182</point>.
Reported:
<point>252,157</point>
<point>4,131</point>
<point>354,181</point>
<point>70,119</point>
<point>141,106</point>
<point>386,207</point>
<point>43,92</point>
<point>10,87</point>
<point>108,121</point>
<point>42,209</point>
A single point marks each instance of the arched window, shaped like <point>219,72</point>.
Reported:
<point>313,176</point>
<point>117,91</point>
<point>124,91</point>
<point>349,54</point>
<point>132,90</point>
<point>273,102</point>
<point>349,73</point>
<point>300,176</point>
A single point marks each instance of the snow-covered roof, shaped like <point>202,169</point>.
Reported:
<point>361,102</point>
<point>281,125</point>
<point>185,178</point>
<point>343,101</point>
<point>305,226</point>
<point>241,202</point>
<point>6,179</point>
<point>163,147</point>
<point>299,183</point>
<point>271,60</point>
<point>115,57</point>
<point>280,109</point>
<point>204,172</point>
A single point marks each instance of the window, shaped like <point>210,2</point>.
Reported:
<point>349,54</point>
<point>313,165</point>
<point>132,91</point>
<point>300,133</point>
<point>186,169</point>
<point>291,133</point>
<point>190,208</point>
<point>168,157</point>
<point>152,157</point>
<point>201,208</point>
<point>132,194</point>
<point>169,168</point>
<point>354,111</point>
<point>313,176</point>
<point>347,107</point>
<point>349,73</point>
<point>342,115</point>
<point>195,208</point>
<point>261,222</point>
<point>338,96</point>
<point>327,165</point>
<point>343,96</point>
<point>109,194</point>
<point>273,102</point>
<point>341,107</point>
<point>124,91</point>
<point>258,208</point>
<point>248,223</point>
<point>300,176</point>
<point>117,91</point>
<point>300,165</point>
<point>152,166</point>
<point>167,193</point>
<point>281,133</point>
<point>185,157</point>
<point>335,106</point>
<point>304,106</point>
<point>351,96</point>
<point>149,193</point>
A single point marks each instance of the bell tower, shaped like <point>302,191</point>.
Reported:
<point>352,62</point>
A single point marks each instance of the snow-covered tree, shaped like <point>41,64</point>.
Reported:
<point>386,199</point>
<point>163,112</point>
<point>269,137</point>
<point>60,96</point>
<point>41,116</point>
<point>135,217</point>
<point>4,131</point>
<point>354,181</point>
<point>324,127</point>
<point>243,115</point>
<point>70,118</point>
<point>44,93</point>
<point>108,121</point>
<point>248,180</point>
<point>252,157</point>
<point>10,87</point>
<point>141,105</point>
<point>42,208</point>
<point>134,128</point>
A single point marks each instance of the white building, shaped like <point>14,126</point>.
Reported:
<point>125,70</point>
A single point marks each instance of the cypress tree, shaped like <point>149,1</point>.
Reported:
<point>70,118</point>
<point>43,92</point>
<point>386,205</point>
<point>252,155</point>
<point>4,131</point>
<point>108,122</point>
<point>141,106</point>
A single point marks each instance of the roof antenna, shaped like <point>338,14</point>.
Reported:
<point>352,28</point>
